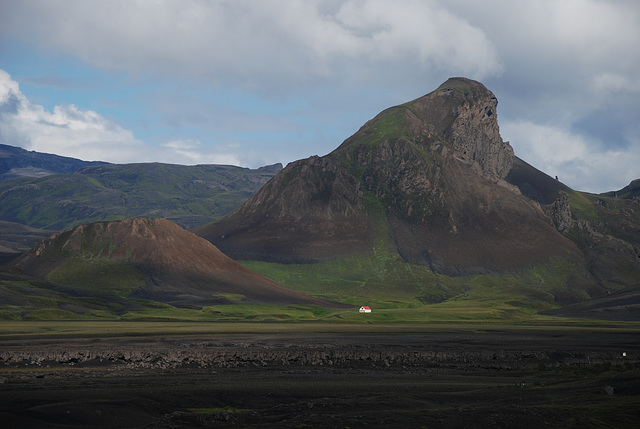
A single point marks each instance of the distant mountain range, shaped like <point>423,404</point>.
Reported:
<point>188,195</point>
<point>425,205</point>
<point>41,193</point>
<point>18,162</point>
<point>16,239</point>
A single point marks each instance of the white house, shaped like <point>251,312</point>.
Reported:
<point>365,309</point>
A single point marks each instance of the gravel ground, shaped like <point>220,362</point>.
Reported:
<point>324,380</point>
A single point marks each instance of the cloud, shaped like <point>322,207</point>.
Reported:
<point>578,162</point>
<point>53,80</point>
<point>193,152</point>
<point>259,44</point>
<point>253,82</point>
<point>66,130</point>
<point>570,88</point>
<point>558,57</point>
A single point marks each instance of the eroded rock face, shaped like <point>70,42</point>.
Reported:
<point>312,210</point>
<point>475,133</point>
<point>463,113</point>
<point>560,213</point>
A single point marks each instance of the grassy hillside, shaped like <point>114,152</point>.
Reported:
<point>26,299</point>
<point>478,299</point>
<point>187,195</point>
<point>413,292</point>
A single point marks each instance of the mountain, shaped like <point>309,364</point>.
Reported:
<point>631,191</point>
<point>430,183</point>
<point>18,162</point>
<point>150,259</point>
<point>188,195</point>
<point>427,177</point>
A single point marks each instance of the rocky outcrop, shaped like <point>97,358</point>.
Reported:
<point>560,213</point>
<point>474,130</point>
<point>230,355</point>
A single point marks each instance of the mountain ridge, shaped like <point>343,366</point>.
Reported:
<point>17,162</point>
<point>188,195</point>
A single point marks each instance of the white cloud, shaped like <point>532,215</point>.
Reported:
<point>256,43</point>
<point>563,71</point>
<point>66,130</point>
<point>193,152</point>
<point>186,149</point>
<point>553,51</point>
<point>227,152</point>
<point>85,134</point>
<point>575,160</point>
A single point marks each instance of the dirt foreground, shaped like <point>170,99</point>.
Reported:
<point>481,379</point>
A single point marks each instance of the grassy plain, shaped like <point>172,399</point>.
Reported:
<point>123,328</point>
<point>398,293</point>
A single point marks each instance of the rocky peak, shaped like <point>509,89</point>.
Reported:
<point>423,179</point>
<point>463,113</point>
<point>460,114</point>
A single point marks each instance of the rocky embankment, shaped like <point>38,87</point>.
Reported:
<point>216,354</point>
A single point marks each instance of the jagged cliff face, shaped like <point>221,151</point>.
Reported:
<point>460,113</point>
<point>424,179</point>
<point>463,113</point>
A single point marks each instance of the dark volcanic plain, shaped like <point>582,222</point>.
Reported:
<point>468,378</point>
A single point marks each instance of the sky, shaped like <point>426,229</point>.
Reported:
<point>254,82</point>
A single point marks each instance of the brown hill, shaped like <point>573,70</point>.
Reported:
<point>425,179</point>
<point>152,259</point>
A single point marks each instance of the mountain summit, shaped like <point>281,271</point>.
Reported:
<point>424,180</point>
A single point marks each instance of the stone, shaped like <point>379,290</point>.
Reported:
<point>606,390</point>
